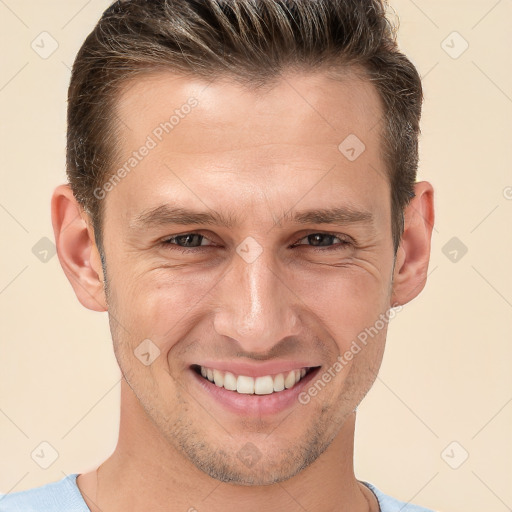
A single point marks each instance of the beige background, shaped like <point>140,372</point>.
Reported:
<point>446,374</point>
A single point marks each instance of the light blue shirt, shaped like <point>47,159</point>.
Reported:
<point>64,496</point>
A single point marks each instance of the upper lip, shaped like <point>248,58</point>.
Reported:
<point>256,369</point>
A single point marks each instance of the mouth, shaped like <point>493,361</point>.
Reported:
<point>246,395</point>
<point>262,385</point>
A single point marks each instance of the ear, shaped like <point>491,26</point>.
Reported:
<point>413,255</point>
<point>76,249</point>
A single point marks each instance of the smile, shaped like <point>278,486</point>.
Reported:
<point>244,384</point>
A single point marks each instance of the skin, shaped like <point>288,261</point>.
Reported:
<point>256,155</point>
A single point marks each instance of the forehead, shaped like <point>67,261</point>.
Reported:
<point>299,107</point>
<point>263,144</point>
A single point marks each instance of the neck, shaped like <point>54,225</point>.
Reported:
<point>145,472</point>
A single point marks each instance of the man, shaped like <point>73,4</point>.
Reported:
<point>242,200</point>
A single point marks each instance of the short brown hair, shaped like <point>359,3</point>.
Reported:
<point>248,40</point>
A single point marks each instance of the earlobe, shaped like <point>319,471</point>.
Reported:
<point>76,249</point>
<point>413,255</point>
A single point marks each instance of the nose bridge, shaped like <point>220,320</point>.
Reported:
<point>255,306</point>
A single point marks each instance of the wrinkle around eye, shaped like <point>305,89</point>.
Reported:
<point>355,261</point>
<point>368,266</point>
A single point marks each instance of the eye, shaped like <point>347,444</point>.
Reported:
<point>325,240</point>
<point>192,242</point>
<point>187,242</point>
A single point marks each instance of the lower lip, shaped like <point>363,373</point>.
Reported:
<point>254,405</point>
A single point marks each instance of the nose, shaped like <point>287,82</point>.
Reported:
<point>255,304</point>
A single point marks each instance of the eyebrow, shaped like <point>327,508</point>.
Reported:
<point>166,214</point>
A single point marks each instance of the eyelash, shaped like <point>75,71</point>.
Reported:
<point>344,239</point>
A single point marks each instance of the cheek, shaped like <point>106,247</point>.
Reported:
<point>158,304</point>
<point>164,304</point>
<point>154,306</point>
<point>346,301</point>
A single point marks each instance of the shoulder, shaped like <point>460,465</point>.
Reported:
<point>389,504</point>
<point>59,496</point>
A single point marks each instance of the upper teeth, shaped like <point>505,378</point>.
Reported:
<point>248,385</point>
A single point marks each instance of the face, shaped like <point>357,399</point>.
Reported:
<point>243,239</point>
